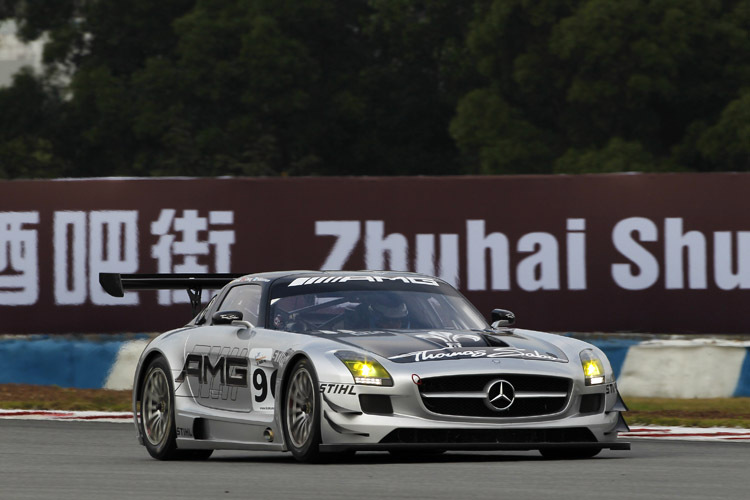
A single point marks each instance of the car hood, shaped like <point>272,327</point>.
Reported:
<point>415,346</point>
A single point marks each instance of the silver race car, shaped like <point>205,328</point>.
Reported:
<point>317,362</point>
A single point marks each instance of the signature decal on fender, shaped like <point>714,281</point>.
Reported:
<point>497,352</point>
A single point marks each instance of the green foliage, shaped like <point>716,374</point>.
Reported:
<point>727,142</point>
<point>378,87</point>
<point>609,85</point>
<point>252,87</point>
<point>616,156</point>
<point>504,140</point>
<point>25,122</point>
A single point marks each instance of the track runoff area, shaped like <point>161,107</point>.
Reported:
<point>636,432</point>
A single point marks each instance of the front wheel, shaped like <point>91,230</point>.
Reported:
<point>569,453</point>
<point>157,416</point>
<point>301,420</point>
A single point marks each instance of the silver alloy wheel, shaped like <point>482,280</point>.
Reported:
<point>300,408</point>
<point>156,407</point>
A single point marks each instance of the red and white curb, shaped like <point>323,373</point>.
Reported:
<point>99,416</point>
<point>688,433</point>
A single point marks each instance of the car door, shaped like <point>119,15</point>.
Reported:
<point>217,363</point>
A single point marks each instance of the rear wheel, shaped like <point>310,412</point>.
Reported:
<point>302,413</point>
<point>157,416</point>
<point>569,453</point>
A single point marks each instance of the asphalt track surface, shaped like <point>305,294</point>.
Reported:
<point>97,460</point>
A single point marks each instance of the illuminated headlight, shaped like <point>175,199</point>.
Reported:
<point>365,370</point>
<point>593,369</point>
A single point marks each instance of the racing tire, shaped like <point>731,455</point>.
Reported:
<point>569,453</point>
<point>301,413</point>
<point>156,419</point>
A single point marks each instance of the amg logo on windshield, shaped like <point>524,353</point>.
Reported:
<point>232,370</point>
<point>372,279</point>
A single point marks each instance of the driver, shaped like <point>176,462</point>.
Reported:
<point>389,311</point>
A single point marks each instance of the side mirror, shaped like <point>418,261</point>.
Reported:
<point>226,317</point>
<point>502,318</point>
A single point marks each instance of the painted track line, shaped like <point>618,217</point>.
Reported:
<point>688,433</point>
<point>97,416</point>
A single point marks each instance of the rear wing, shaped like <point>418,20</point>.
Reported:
<point>115,284</point>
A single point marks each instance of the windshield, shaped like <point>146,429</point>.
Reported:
<point>360,306</point>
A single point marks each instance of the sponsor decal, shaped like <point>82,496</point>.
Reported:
<point>610,389</point>
<point>354,333</point>
<point>230,316</point>
<point>231,370</point>
<point>246,279</point>
<point>261,356</point>
<point>450,339</point>
<point>497,352</point>
<point>416,379</point>
<point>316,280</point>
<point>280,357</point>
<point>184,432</point>
<point>337,389</point>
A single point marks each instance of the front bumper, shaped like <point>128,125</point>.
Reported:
<point>349,425</point>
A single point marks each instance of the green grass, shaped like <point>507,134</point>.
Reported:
<point>718,412</point>
<point>41,397</point>
<point>101,404</point>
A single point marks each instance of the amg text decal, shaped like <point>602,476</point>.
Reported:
<point>231,370</point>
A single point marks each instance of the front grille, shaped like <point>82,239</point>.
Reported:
<point>532,395</point>
<point>489,436</point>
<point>472,383</point>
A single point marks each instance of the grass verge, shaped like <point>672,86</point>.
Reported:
<point>50,397</point>
<point>717,412</point>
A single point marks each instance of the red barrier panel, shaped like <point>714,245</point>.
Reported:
<point>622,252</point>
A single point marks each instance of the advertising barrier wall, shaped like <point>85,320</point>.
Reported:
<point>622,252</point>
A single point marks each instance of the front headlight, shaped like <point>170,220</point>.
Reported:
<point>593,368</point>
<point>365,370</point>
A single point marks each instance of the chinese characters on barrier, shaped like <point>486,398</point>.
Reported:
<point>169,251</point>
<point>19,281</point>
<point>86,243</point>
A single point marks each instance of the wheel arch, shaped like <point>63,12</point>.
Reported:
<point>282,388</point>
<point>296,358</point>
<point>143,367</point>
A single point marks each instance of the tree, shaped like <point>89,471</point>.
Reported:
<point>25,123</point>
<point>600,75</point>
<point>252,87</point>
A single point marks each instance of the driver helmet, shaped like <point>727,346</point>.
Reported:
<point>389,311</point>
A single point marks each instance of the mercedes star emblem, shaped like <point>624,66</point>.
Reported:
<point>500,395</point>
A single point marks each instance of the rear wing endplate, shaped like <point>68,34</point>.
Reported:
<point>115,284</point>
